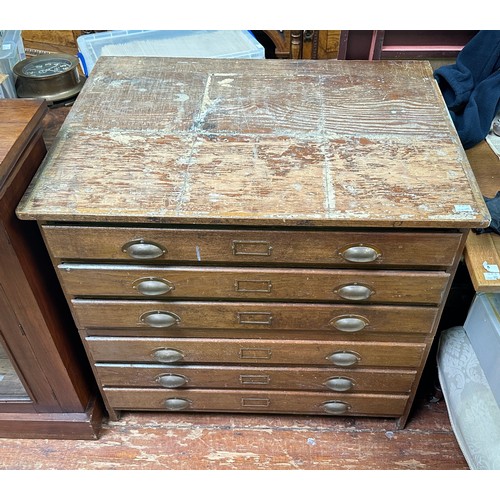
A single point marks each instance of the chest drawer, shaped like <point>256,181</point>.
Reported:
<point>256,401</point>
<point>327,248</point>
<point>255,351</point>
<point>249,377</point>
<point>253,315</point>
<point>252,283</point>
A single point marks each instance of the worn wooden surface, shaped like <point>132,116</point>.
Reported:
<point>484,248</point>
<point>155,441</point>
<point>245,141</point>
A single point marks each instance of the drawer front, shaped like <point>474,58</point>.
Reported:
<point>253,315</point>
<point>174,351</point>
<point>268,377</point>
<point>253,283</point>
<point>327,248</point>
<point>256,401</point>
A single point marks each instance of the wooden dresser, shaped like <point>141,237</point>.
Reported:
<point>46,385</point>
<point>266,236</point>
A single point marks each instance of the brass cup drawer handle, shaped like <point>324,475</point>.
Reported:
<point>176,404</point>
<point>340,384</point>
<point>336,407</point>
<point>349,324</point>
<point>171,380</point>
<point>143,250</point>
<point>159,319</point>
<point>354,291</point>
<point>360,254</point>
<point>153,286</point>
<point>166,355</point>
<point>344,358</point>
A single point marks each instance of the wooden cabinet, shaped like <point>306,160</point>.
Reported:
<point>301,44</point>
<point>46,386</point>
<point>257,236</point>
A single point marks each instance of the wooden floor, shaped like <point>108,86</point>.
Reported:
<point>161,441</point>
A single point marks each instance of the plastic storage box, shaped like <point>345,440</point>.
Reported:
<point>11,52</point>
<point>224,44</point>
<point>483,329</point>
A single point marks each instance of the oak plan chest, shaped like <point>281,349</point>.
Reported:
<point>265,236</point>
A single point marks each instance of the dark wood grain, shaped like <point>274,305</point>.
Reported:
<point>255,283</point>
<point>253,401</point>
<point>256,377</point>
<point>257,352</point>
<point>36,327</point>
<point>252,246</point>
<point>92,313</point>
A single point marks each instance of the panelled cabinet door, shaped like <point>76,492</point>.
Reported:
<point>43,392</point>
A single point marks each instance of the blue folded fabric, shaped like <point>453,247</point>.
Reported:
<point>471,87</point>
<point>493,206</point>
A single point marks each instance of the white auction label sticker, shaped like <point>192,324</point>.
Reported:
<point>491,268</point>
<point>491,276</point>
<point>463,208</point>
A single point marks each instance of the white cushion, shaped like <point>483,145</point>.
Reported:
<point>474,412</point>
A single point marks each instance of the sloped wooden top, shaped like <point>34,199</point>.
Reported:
<point>281,142</point>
